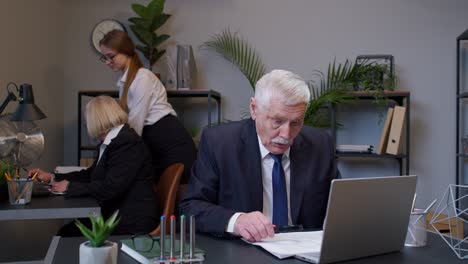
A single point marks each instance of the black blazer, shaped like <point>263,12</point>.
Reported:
<point>123,180</point>
<point>227,176</point>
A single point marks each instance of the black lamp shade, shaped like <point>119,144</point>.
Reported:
<point>27,110</point>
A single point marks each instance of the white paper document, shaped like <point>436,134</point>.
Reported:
<point>285,245</point>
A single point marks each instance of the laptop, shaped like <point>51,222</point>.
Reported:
<point>365,217</point>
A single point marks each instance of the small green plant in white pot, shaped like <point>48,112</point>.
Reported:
<point>97,250</point>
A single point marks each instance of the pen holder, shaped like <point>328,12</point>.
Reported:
<point>19,191</point>
<point>417,233</point>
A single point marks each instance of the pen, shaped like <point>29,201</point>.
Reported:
<point>182,235</point>
<point>172,244</point>
<point>162,237</point>
<point>192,236</point>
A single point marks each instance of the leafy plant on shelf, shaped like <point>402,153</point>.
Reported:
<point>150,18</point>
<point>101,229</point>
<point>375,79</point>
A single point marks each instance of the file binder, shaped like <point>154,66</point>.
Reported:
<point>385,132</point>
<point>396,130</point>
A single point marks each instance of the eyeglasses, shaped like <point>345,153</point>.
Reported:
<point>143,242</point>
<point>105,58</point>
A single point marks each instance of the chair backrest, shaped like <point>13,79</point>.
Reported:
<point>166,192</point>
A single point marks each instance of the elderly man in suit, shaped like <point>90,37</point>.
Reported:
<point>266,171</point>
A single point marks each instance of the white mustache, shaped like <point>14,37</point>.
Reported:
<point>280,141</point>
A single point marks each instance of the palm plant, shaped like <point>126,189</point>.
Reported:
<point>238,51</point>
<point>329,90</point>
<point>100,230</point>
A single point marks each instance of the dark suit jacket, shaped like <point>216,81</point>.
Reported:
<point>227,176</point>
<point>123,180</point>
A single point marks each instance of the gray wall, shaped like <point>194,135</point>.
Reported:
<point>298,35</point>
<point>31,51</point>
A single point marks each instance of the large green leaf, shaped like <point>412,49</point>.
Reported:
<point>143,35</point>
<point>140,10</point>
<point>157,40</point>
<point>155,7</point>
<point>236,50</point>
<point>158,21</point>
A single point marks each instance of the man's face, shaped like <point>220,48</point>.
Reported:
<point>277,124</point>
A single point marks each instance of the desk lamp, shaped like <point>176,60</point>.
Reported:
<point>26,110</point>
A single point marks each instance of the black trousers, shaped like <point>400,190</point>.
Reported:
<point>169,142</point>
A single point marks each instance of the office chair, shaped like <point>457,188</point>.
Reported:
<point>166,192</point>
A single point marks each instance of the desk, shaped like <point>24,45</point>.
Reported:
<point>236,251</point>
<point>40,231</point>
<point>51,207</point>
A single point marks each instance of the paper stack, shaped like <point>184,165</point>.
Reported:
<point>354,148</point>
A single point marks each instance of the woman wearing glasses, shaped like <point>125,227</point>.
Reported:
<point>120,179</point>
<point>144,97</point>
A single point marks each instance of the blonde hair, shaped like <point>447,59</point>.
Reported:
<point>287,86</point>
<point>120,42</point>
<point>102,114</point>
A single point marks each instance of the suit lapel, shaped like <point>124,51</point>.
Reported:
<point>299,160</point>
<point>252,165</point>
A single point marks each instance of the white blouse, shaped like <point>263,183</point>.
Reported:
<point>146,100</point>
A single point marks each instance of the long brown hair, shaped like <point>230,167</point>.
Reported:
<point>120,41</point>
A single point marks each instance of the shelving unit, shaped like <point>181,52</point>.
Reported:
<point>401,98</point>
<point>209,94</point>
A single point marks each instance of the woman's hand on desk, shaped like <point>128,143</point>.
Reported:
<point>41,175</point>
<point>60,187</point>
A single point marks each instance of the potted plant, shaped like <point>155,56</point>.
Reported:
<point>6,166</point>
<point>330,90</point>
<point>97,250</point>
<point>150,18</point>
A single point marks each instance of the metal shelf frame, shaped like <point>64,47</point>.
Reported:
<point>401,98</point>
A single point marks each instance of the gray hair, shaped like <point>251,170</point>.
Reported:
<point>284,85</point>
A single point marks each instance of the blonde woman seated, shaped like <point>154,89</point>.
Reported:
<point>122,176</point>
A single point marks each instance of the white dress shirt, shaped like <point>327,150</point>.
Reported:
<point>267,170</point>
<point>109,137</point>
<point>146,100</point>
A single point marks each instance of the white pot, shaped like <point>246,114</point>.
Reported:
<point>106,254</point>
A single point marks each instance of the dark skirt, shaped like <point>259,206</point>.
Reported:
<point>169,142</point>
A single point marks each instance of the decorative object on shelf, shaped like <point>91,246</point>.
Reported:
<point>101,29</point>
<point>375,74</point>
<point>453,209</point>
<point>150,18</point>
<point>97,250</point>
<point>180,68</point>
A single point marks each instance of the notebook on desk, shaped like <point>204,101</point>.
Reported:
<point>365,217</point>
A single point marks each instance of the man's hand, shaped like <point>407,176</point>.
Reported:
<point>41,175</point>
<point>254,226</point>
